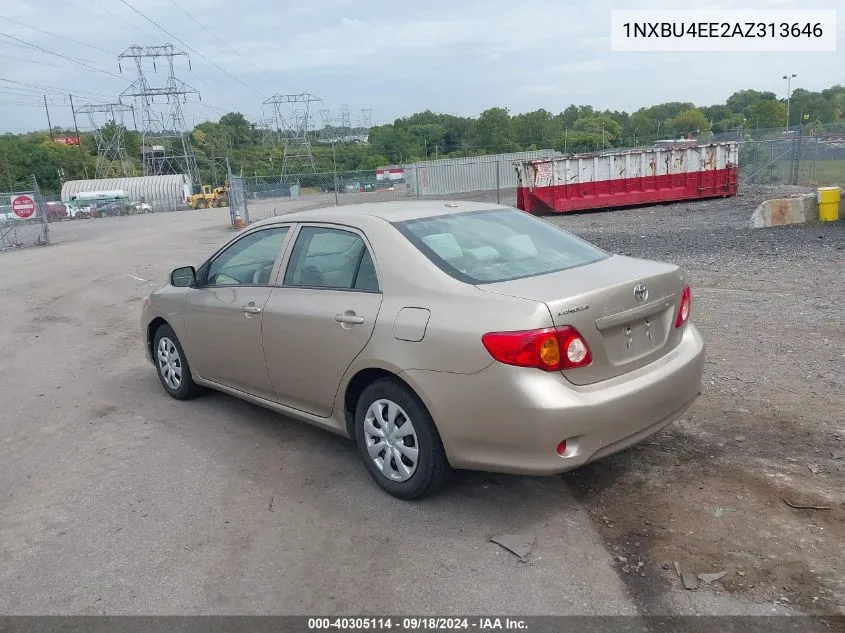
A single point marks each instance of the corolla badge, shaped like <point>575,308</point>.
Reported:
<point>640,292</point>
<point>566,311</point>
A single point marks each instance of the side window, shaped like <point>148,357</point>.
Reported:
<point>249,261</point>
<point>330,258</point>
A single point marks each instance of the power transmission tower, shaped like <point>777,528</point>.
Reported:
<point>269,135</point>
<point>344,122</point>
<point>292,122</point>
<point>327,133</point>
<point>362,134</point>
<point>109,129</point>
<point>165,146</point>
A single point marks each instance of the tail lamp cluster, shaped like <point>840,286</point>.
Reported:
<point>549,349</point>
<point>555,348</point>
<point>686,307</point>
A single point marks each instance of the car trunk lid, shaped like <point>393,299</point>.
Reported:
<point>625,308</point>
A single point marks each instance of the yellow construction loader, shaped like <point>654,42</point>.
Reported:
<point>210,197</point>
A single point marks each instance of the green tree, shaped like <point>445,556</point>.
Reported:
<point>494,131</point>
<point>239,131</point>
<point>744,101</point>
<point>688,121</point>
<point>592,133</point>
<point>767,113</point>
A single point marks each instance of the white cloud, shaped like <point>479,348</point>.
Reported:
<point>447,55</point>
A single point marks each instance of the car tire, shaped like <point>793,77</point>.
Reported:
<point>172,366</point>
<point>413,477</point>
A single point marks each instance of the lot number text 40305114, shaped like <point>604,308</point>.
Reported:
<point>416,624</point>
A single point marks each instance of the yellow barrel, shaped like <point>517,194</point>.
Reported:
<point>829,204</point>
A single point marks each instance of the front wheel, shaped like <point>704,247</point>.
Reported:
<point>174,372</point>
<point>398,441</point>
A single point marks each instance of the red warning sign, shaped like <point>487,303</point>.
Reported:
<point>23,206</point>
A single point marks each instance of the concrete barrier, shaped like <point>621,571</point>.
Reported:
<point>780,211</point>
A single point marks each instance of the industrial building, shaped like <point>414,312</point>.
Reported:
<point>162,193</point>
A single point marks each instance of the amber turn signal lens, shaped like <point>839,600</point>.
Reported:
<point>550,352</point>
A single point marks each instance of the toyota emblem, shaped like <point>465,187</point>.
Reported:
<point>640,292</point>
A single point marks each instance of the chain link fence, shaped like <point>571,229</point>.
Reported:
<point>795,160</point>
<point>765,157</point>
<point>24,219</point>
<point>268,196</point>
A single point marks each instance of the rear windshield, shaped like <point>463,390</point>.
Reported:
<point>481,247</point>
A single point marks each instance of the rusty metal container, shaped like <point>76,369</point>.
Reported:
<point>627,178</point>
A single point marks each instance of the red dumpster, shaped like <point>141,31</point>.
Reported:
<point>626,178</point>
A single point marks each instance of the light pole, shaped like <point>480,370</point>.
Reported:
<point>789,79</point>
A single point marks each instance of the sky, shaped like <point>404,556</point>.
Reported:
<point>393,58</point>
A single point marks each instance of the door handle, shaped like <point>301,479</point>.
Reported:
<point>348,318</point>
<point>251,309</point>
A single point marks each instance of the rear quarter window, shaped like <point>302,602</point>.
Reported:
<point>497,245</point>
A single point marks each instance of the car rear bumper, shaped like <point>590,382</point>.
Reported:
<point>511,419</point>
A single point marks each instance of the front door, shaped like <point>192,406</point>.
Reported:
<point>321,318</point>
<point>224,314</point>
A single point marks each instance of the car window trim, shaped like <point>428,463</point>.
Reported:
<point>203,270</point>
<point>294,235</point>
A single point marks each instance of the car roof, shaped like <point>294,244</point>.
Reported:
<point>388,211</point>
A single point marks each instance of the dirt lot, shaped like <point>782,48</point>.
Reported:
<point>119,500</point>
<point>712,493</point>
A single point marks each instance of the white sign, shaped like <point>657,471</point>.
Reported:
<point>719,30</point>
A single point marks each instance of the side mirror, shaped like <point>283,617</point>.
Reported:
<point>183,277</point>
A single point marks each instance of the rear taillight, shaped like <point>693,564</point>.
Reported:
<point>685,308</point>
<point>549,349</point>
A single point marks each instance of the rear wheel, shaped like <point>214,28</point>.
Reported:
<point>174,372</point>
<point>202,204</point>
<point>398,441</point>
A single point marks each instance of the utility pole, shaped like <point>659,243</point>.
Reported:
<point>789,79</point>
<point>78,138</point>
<point>49,125</point>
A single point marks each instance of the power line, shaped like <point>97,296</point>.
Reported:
<point>156,24</point>
<point>41,88</point>
<point>207,30</point>
<point>35,28</point>
<point>38,61</point>
<point>19,42</point>
<point>123,23</point>
<point>71,59</point>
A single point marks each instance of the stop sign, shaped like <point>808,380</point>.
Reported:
<point>23,206</point>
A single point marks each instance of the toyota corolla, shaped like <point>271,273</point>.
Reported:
<point>437,335</point>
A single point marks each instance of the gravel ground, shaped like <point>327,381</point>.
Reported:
<point>216,506</point>
<point>711,492</point>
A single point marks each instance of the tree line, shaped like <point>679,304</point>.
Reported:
<point>429,135</point>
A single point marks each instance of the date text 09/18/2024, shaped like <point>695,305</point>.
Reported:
<point>416,624</point>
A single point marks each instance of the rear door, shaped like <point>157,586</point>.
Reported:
<point>322,315</point>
